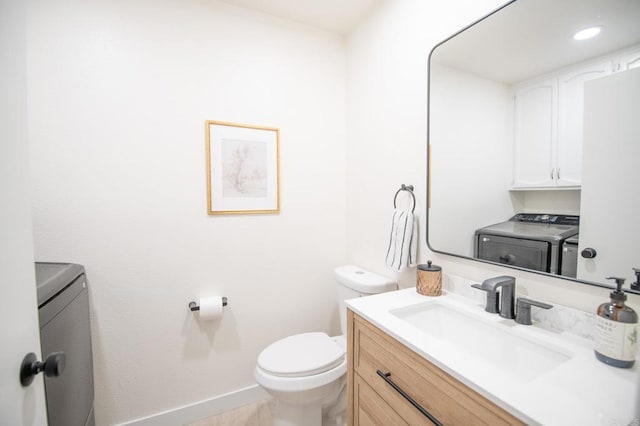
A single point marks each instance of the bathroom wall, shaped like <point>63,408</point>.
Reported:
<point>387,58</point>
<point>118,95</point>
<point>386,133</point>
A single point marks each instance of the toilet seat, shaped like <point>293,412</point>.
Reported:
<point>301,355</point>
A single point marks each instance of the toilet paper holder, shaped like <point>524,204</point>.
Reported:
<point>194,306</point>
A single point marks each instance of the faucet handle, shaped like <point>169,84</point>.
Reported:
<point>523,309</point>
<point>491,305</point>
<point>636,285</point>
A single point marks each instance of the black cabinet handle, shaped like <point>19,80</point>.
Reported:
<point>386,377</point>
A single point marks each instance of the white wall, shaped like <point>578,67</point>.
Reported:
<point>559,202</point>
<point>386,128</point>
<point>470,163</point>
<point>118,95</point>
<point>387,58</point>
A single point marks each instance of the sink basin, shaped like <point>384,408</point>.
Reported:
<point>493,344</point>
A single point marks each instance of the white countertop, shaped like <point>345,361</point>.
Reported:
<point>579,391</point>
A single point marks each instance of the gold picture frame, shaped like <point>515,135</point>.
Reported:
<point>243,168</point>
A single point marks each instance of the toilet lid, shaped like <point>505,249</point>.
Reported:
<point>301,355</point>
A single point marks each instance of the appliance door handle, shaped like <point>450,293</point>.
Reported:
<point>387,378</point>
<point>507,258</point>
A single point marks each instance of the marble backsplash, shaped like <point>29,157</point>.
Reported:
<point>559,319</point>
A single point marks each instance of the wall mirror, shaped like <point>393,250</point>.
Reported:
<point>534,140</point>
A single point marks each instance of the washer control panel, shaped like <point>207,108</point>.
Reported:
<point>546,218</point>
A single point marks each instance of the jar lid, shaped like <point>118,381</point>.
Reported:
<point>429,267</point>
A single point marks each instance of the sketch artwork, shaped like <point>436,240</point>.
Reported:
<point>244,168</point>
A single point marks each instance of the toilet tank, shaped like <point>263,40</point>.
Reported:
<point>353,282</point>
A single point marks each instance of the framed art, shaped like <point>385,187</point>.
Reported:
<point>243,170</point>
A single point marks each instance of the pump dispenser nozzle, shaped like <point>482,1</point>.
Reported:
<point>618,294</point>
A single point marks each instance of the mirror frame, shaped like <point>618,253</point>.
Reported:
<point>547,274</point>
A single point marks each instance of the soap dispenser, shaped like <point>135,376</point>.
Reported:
<point>616,334</point>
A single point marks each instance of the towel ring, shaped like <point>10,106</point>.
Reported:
<point>408,188</point>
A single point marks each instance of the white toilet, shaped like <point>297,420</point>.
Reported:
<point>306,373</point>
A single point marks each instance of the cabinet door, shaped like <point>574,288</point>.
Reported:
<point>610,188</point>
<point>435,391</point>
<point>568,170</point>
<point>535,134</point>
<point>370,408</point>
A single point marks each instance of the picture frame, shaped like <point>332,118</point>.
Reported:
<point>243,168</point>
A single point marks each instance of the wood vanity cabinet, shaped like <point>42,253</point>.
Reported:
<point>374,401</point>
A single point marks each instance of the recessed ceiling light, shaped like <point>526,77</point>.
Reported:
<point>587,33</point>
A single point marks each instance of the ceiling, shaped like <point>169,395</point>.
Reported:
<point>334,15</point>
<point>525,39</point>
<point>530,37</point>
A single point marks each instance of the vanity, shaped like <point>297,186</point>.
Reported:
<point>415,359</point>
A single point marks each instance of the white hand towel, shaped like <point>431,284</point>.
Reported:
<point>403,241</point>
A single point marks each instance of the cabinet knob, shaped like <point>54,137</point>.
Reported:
<point>53,366</point>
<point>589,253</point>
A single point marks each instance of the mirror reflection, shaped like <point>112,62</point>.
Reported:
<point>534,140</point>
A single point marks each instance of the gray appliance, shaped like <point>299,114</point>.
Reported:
<point>527,240</point>
<point>569,265</point>
<point>63,310</point>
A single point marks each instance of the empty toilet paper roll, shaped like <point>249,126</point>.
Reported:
<point>211,308</point>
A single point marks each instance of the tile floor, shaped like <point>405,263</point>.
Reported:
<point>256,414</point>
<point>261,414</point>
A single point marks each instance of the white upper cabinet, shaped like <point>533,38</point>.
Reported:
<point>549,123</point>
<point>568,167</point>
<point>535,134</point>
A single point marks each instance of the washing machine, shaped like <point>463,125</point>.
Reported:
<point>63,311</point>
<point>570,257</point>
<point>527,240</point>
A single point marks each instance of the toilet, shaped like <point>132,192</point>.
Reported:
<point>306,373</point>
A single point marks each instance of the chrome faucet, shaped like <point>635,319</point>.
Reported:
<point>507,285</point>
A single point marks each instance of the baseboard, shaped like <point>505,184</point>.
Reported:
<point>202,409</point>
